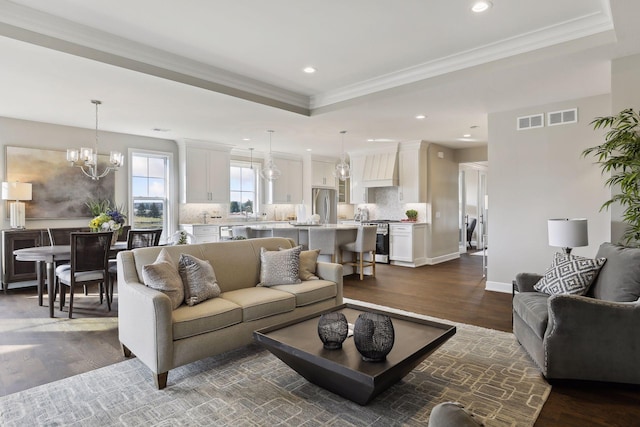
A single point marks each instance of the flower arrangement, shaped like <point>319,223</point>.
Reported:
<point>106,218</point>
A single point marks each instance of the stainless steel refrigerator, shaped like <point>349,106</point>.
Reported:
<point>325,204</point>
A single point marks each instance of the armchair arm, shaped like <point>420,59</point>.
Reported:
<point>592,339</point>
<point>144,318</point>
<point>525,281</point>
<point>332,272</point>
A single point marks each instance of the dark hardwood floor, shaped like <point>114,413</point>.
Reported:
<point>36,350</point>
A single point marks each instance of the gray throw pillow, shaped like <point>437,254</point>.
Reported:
<point>163,276</point>
<point>307,266</point>
<point>569,274</point>
<point>619,279</point>
<point>279,267</point>
<point>199,279</point>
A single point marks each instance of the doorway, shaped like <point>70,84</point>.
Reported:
<point>473,200</point>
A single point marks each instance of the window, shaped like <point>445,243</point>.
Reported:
<point>149,207</point>
<point>244,194</point>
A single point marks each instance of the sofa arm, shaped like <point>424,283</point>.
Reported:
<point>525,281</point>
<point>592,339</point>
<point>144,318</point>
<point>332,272</point>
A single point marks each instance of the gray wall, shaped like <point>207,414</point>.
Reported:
<point>539,174</point>
<point>442,173</point>
<point>14,132</point>
<point>473,154</point>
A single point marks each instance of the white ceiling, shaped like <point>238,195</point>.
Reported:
<point>224,70</point>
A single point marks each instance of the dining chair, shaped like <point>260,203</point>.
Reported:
<point>62,236</point>
<point>89,252</point>
<point>365,243</point>
<point>135,239</point>
<point>124,233</point>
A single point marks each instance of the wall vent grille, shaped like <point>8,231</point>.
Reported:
<point>530,122</point>
<point>563,117</point>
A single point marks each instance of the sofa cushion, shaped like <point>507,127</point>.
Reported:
<point>308,261</point>
<point>310,291</point>
<point>260,302</point>
<point>210,315</point>
<point>198,278</point>
<point>569,274</point>
<point>532,307</point>
<point>163,276</point>
<point>619,279</point>
<point>279,267</point>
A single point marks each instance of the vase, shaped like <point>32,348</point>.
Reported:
<point>332,330</point>
<point>373,336</point>
<point>114,237</point>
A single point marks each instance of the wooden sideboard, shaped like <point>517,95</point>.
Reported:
<point>20,271</point>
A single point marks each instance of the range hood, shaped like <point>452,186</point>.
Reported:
<point>381,170</point>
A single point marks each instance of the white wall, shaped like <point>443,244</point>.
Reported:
<point>539,174</point>
<point>22,133</point>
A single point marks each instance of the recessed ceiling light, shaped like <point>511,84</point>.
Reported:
<point>309,70</point>
<point>466,135</point>
<point>309,149</point>
<point>481,6</point>
<point>421,116</point>
<point>246,139</point>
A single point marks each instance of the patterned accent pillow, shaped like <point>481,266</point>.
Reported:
<point>199,280</point>
<point>279,267</point>
<point>163,276</point>
<point>308,261</point>
<point>569,274</point>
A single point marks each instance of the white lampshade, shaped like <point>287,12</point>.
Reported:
<point>568,232</point>
<point>16,191</point>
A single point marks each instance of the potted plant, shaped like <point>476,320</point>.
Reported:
<point>620,156</point>
<point>412,214</point>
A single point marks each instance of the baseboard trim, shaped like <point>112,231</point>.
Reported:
<point>506,288</point>
<point>443,258</point>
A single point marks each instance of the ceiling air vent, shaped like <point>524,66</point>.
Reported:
<point>563,117</point>
<point>531,122</point>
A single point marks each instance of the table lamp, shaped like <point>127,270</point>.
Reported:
<point>568,233</point>
<point>16,191</point>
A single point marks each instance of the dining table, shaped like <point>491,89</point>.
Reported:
<point>49,255</point>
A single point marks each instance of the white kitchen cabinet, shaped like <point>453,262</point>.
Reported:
<point>359,193</point>
<point>322,174</point>
<point>204,173</point>
<point>287,189</point>
<point>204,233</point>
<point>407,244</point>
<point>343,191</point>
<point>412,170</point>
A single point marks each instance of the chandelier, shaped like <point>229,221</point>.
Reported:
<point>87,158</point>
<point>342,170</point>
<point>270,171</point>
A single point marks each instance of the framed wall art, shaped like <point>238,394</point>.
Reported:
<point>59,191</point>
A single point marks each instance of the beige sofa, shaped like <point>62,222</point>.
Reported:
<point>164,339</point>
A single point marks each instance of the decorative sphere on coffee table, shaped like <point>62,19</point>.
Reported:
<point>332,330</point>
<point>373,336</point>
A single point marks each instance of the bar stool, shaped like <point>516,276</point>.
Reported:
<point>323,239</point>
<point>289,233</point>
<point>365,243</point>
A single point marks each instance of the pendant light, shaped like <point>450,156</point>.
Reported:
<point>251,158</point>
<point>270,172</point>
<point>87,158</point>
<point>342,170</point>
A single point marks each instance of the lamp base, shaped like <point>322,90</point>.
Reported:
<point>567,250</point>
<point>16,214</point>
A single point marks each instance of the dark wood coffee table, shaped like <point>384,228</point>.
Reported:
<point>343,371</point>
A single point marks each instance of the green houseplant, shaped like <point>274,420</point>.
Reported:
<point>412,214</point>
<point>620,156</point>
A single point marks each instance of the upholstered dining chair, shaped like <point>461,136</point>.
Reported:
<point>324,239</point>
<point>365,243</point>
<point>135,239</point>
<point>89,257</point>
<point>62,236</point>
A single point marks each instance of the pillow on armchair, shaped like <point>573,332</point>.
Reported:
<point>619,279</point>
<point>569,274</point>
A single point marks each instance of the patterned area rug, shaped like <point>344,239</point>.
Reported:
<point>486,370</point>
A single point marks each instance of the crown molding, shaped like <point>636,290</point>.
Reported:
<point>570,30</point>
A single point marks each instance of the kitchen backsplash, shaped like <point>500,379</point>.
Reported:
<point>388,207</point>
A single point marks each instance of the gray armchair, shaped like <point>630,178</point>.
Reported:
<point>592,337</point>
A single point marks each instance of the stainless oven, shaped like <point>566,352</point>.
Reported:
<point>382,239</point>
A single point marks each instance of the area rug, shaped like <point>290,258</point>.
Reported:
<point>485,370</point>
